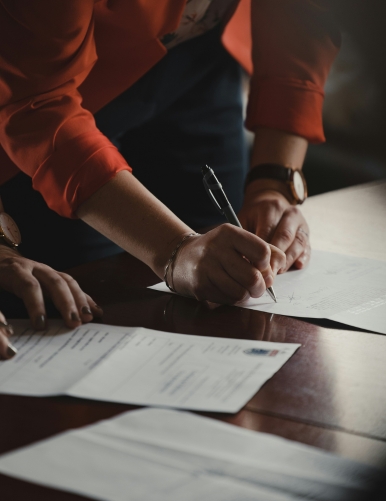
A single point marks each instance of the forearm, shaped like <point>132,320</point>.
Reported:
<point>128,214</point>
<point>293,46</point>
<point>278,147</point>
<point>268,209</point>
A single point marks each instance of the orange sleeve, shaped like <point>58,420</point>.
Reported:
<point>47,50</point>
<point>293,45</point>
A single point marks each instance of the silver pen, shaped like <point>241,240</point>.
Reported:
<point>221,202</point>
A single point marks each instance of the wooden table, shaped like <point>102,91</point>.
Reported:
<point>331,393</point>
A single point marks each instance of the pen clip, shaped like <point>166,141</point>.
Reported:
<point>209,191</point>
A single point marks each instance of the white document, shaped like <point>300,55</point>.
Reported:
<point>165,455</point>
<point>140,366</point>
<point>50,362</point>
<point>343,288</point>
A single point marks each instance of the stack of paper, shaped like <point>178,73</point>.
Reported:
<point>165,455</point>
<point>343,288</point>
<point>140,366</point>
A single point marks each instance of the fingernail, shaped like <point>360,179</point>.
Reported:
<point>40,322</point>
<point>11,351</point>
<point>86,310</point>
<point>100,310</point>
<point>75,317</point>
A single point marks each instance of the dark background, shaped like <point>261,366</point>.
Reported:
<point>355,103</point>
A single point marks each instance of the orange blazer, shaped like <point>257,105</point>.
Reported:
<point>62,60</point>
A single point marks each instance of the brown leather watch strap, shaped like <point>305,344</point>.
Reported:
<point>283,177</point>
<point>268,171</point>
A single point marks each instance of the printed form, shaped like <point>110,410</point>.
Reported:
<point>343,288</point>
<point>166,455</point>
<point>140,366</point>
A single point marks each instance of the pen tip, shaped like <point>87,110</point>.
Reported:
<point>205,169</point>
<point>272,294</point>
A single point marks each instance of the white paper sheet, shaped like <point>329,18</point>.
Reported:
<point>49,362</point>
<point>140,366</point>
<point>343,288</point>
<point>165,455</point>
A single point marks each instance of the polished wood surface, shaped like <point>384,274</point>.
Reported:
<point>330,394</point>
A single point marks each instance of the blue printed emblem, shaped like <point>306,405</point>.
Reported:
<point>261,351</point>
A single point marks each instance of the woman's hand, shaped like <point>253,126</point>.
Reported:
<point>7,351</point>
<point>266,212</point>
<point>226,265</point>
<point>30,281</point>
<point>270,216</point>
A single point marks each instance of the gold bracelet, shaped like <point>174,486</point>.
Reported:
<point>172,258</point>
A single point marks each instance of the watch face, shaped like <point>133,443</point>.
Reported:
<point>9,228</point>
<point>298,185</point>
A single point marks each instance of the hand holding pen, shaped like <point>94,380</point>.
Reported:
<point>221,202</point>
<point>226,265</point>
<point>217,267</point>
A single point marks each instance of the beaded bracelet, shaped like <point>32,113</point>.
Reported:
<point>173,256</point>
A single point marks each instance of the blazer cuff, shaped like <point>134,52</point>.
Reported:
<point>290,105</point>
<point>76,171</point>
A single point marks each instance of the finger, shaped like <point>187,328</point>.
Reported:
<point>27,287</point>
<point>251,246</point>
<point>80,298</point>
<point>244,273</point>
<point>5,327</point>
<point>304,259</point>
<point>217,287</point>
<point>286,230</point>
<point>7,351</point>
<point>278,259</point>
<point>60,294</point>
<point>267,220</point>
<point>296,249</point>
<point>96,310</point>
<point>224,289</point>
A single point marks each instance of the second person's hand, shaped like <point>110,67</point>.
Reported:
<point>269,215</point>
<point>30,281</point>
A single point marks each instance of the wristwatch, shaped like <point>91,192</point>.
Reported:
<point>9,232</point>
<point>294,180</point>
